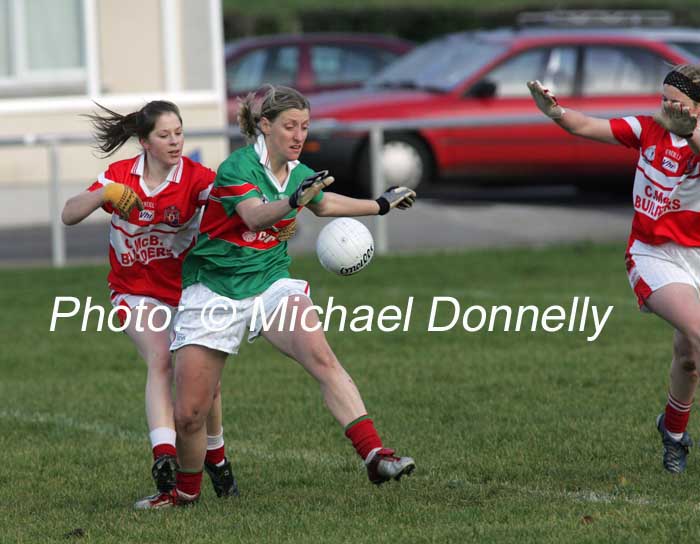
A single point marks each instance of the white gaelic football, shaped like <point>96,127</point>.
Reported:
<point>344,246</point>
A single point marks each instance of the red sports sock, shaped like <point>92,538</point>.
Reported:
<point>189,482</point>
<point>363,435</point>
<point>215,456</point>
<point>677,414</point>
<point>164,449</point>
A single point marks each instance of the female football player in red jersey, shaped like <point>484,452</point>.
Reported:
<point>239,259</point>
<point>155,201</point>
<point>663,253</point>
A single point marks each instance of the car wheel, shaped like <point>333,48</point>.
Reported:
<point>406,161</point>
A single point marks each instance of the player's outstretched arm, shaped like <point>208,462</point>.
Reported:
<point>260,216</point>
<point>334,205</point>
<point>574,122</point>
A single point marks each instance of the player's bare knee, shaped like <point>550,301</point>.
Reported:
<point>188,419</point>
<point>690,367</point>
<point>324,359</point>
<point>686,352</point>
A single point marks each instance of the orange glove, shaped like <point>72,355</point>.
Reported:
<point>123,198</point>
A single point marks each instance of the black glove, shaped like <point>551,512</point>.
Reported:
<point>396,197</point>
<point>309,188</point>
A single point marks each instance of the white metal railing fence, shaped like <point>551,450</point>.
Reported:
<point>374,128</point>
<point>52,143</point>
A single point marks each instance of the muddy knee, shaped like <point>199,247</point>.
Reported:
<point>689,366</point>
<point>686,356</point>
<point>188,420</point>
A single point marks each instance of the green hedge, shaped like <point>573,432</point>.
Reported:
<point>417,23</point>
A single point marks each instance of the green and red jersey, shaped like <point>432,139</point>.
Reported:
<point>228,257</point>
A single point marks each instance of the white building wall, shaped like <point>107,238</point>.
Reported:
<point>138,58</point>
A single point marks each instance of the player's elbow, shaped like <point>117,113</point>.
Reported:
<point>252,222</point>
<point>68,217</point>
<point>320,209</point>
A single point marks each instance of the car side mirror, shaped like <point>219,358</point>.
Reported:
<point>483,89</point>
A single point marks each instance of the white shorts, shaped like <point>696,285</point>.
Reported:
<point>129,302</point>
<point>207,319</point>
<point>651,267</point>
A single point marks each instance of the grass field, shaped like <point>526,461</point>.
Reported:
<point>518,437</point>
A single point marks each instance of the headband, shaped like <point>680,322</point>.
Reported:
<point>684,84</point>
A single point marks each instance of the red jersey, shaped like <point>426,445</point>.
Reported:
<point>146,251</point>
<point>666,194</point>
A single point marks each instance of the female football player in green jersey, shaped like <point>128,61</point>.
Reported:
<point>240,265</point>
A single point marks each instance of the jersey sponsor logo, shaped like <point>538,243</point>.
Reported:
<point>149,211</point>
<point>650,153</point>
<point>171,216</point>
<point>669,164</point>
<point>654,202</point>
<point>142,249</point>
<point>262,237</point>
<point>133,243</point>
<point>266,238</point>
<point>146,216</point>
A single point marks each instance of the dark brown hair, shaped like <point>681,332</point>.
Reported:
<point>112,129</point>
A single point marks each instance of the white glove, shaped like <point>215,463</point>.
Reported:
<point>677,118</point>
<point>545,100</point>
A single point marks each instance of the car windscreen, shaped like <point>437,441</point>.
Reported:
<point>692,48</point>
<point>440,64</point>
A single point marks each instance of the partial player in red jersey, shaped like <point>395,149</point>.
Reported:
<point>155,200</point>
<point>663,253</point>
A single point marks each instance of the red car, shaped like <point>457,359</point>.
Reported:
<point>482,76</point>
<point>311,63</point>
